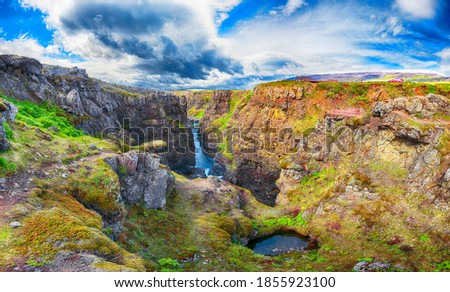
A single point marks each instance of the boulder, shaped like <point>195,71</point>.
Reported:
<point>8,111</point>
<point>382,108</point>
<point>366,266</point>
<point>4,143</point>
<point>143,180</point>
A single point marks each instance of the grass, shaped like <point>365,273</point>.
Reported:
<point>44,116</point>
<point>8,131</point>
<point>97,187</point>
<point>306,125</point>
<point>196,113</point>
<point>6,167</point>
<point>286,221</point>
<point>389,168</point>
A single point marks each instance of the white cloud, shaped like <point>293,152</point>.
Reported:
<point>187,28</point>
<point>445,61</point>
<point>420,9</point>
<point>327,38</point>
<point>292,6</point>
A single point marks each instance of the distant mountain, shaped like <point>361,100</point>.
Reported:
<point>376,76</point>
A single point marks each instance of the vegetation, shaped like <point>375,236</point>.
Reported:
<point>44,116</point>
<point>8,131</point>
<point>6,167</point>
<point>376,220</point>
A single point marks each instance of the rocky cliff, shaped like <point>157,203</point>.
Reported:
<point>352,158</point>
<point>132,115</point>
<point>360,168</point>
<point>290,130</point>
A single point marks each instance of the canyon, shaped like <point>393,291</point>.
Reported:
<point>103,177</point>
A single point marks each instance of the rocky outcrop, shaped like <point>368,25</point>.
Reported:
<point>99,108</point>
<point>143,180</point>
<point>8,112</point>
<point>288,131</point>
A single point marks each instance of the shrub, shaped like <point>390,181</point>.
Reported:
<point>169,265</point>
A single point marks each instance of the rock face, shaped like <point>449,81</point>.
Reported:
<point>142,179</point>
<point>287,132</point>
<point>101,108</point>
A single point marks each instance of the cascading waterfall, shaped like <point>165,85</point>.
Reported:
<point>202,160</point>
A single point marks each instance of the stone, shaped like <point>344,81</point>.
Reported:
<point>64,175</point>
<point>2,181</point>
<point>10,111</point>
<point>382,108</point>
<point>366,266</point>
<point>445,178</point>
<point>142,179</point>
<point>4,143</point>
<point>53,129</point>
<point>3,107</point>
<point>15,224</point>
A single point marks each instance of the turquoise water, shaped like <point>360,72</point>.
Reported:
<point>202,160</point>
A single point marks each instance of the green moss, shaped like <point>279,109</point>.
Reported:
<point>8,131</point>
<point>110,267</point>
<point>286,221</point>
<point>5,235</point>
<point>45,115</point>
<point>444,143</point>
<point>443,267</point>
<point>389,168</point>
<point>306,125</point>
<point>6,168</point>
<point>149,146</point>
<point>196,113</point>
<point>97,188</point>
<point>70,204</point>
<point>169,265</point>
<point>121,91</point>
<point>43,229</point>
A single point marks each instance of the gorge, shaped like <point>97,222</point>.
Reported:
<point>105,177</point>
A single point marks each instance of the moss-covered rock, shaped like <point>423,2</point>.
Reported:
<point>97,187</point>
<point>3,107</point>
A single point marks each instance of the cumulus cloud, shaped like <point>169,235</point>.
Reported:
<point>153,38</point>
<point>444,55</point>
<point>420,9</point>
<point>175,43</point>
<point>292,6</point>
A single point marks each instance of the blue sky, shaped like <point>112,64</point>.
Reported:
<point>173,44</point>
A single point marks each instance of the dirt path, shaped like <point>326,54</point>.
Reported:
<point>19,185</point>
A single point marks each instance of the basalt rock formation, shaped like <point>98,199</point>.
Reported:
<point>131,114</point>
<point>142,179</point>
<point>288,132</point>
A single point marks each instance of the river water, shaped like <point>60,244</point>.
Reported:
<point>202,159</point>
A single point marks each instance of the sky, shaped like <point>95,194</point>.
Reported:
<point>186,44</point>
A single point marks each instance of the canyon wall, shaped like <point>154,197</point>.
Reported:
<point>135,115</point>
